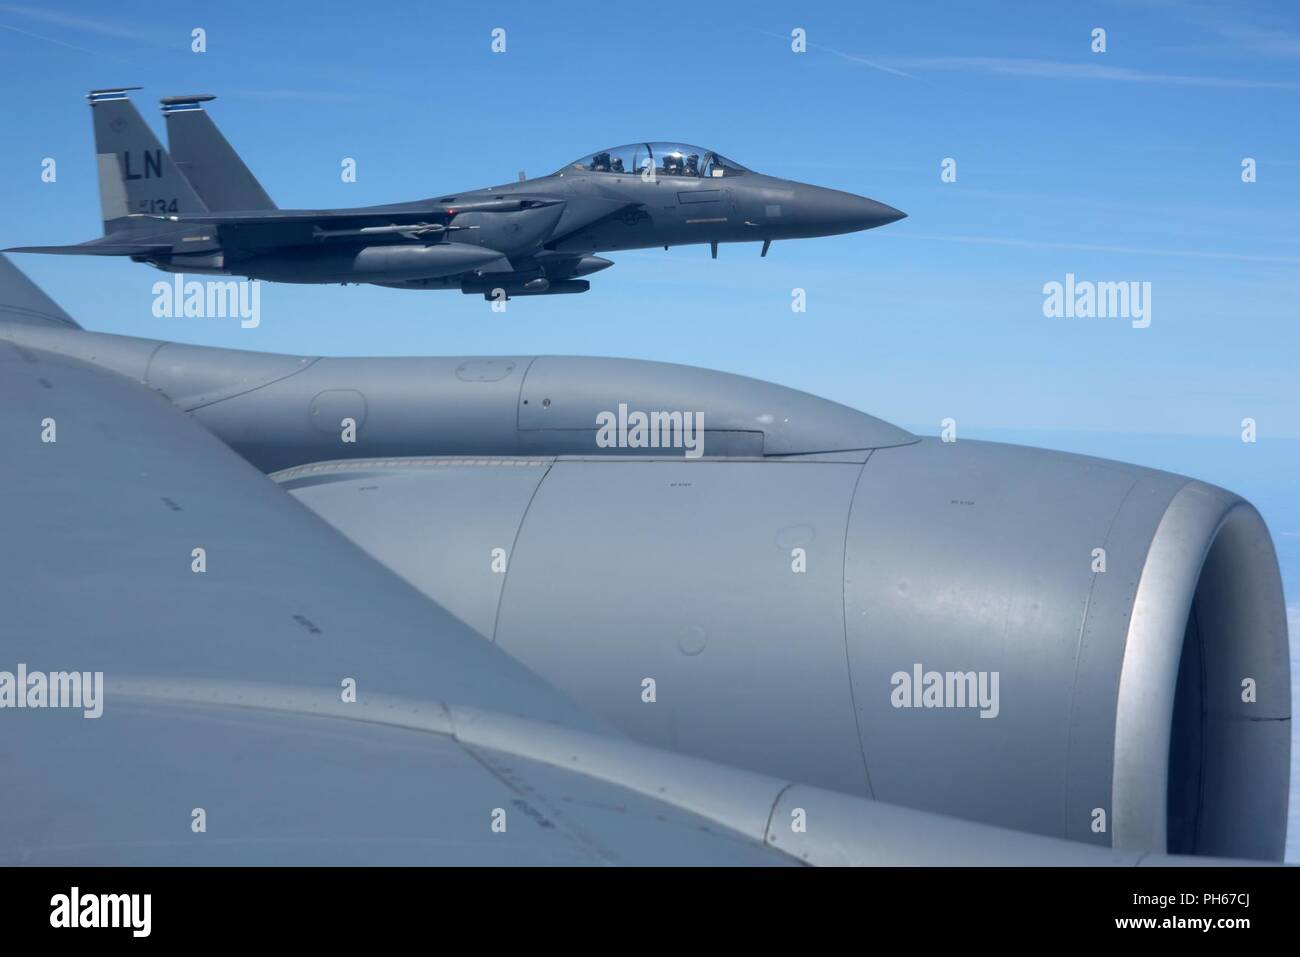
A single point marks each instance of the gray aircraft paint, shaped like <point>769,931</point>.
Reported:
<point>534,237</point>
<point>965,555</point>
<point>207,160</point>
<point>680,571</point>
<point>137,176</point>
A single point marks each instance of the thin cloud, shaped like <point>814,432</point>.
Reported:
<point>38,36</point>
<point>1260,35</point>
<point>853,58</point>
<point>850,57</point>
<point>1066,70</point>
<point>1063,69</point>
<point>105,28</point>
<point>1267,42</point>
<point>1089,247</point>
<point>302,96</point>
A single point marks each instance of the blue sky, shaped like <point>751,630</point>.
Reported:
<point>1122,166</point>
<point>1117,166</point>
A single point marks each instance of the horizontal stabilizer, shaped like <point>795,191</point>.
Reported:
<point>96,249</point>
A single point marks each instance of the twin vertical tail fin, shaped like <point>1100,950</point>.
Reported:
<point>136,175</point>
<point>140,182</point>
<point>207,159</point>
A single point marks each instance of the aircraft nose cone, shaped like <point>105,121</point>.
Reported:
<point>833,211</point>
<point>880,214</point>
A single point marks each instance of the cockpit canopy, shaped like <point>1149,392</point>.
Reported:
<point>666,159</point>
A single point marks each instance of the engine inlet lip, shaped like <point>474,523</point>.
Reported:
<point>1190,527</point>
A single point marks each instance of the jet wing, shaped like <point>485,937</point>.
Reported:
<point>224,735</point>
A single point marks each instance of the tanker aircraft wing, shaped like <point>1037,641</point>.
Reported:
<point>226,732</point>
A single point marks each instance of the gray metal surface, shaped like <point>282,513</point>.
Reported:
<point>971,557</point>
<point>96,576</point>
<point>682,572</point>
<point>207,160</point>
<point>974,556</point>
<point>771,597</point>
<point>269,407</point>
<point>447,526</point>
<point>1232,628</point>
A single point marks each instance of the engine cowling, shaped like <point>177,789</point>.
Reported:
<point>1084,583</point>
<point>790,615</point>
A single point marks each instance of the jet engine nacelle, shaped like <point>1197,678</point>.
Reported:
<point>1043,641</point>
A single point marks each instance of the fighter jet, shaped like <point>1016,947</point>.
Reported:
<point>575,610</point>
<point>200,210</point>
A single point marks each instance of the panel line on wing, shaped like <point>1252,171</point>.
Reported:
<point>740,801</point>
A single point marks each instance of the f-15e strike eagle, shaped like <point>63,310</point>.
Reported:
<point>198,209</point>
<point>419,611</point>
